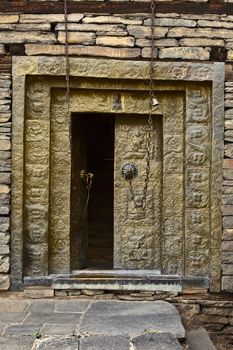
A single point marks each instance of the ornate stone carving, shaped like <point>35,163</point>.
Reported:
<point>59,260</point>
<point>197,161</point>
<point>173,184</point>
<point>197,181</point>
<point>138,247</point>
<point>198,106</point>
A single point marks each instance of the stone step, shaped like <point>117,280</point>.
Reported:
<point>164,341</point>
<point>199,339</point>
<point>122,280</point>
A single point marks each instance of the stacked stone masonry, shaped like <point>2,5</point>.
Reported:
<point>5,177</point>
<point>177,37</point>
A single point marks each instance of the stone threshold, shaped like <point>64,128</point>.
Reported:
<point>109,281</point>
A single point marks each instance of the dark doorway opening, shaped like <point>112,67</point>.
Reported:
<point>92,231</point>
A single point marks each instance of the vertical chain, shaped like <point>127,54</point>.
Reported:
<point>149,145</point>
<point>67,66</point>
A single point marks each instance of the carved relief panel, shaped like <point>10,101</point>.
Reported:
<point>137,223</point>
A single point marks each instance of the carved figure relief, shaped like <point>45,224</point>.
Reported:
<point>197,181</point>
<point>198,108</point>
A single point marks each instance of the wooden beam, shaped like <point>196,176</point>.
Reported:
<point>117,7</point>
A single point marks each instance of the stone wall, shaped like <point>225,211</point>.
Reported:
<point>178,37</point>
<point>5,169</point>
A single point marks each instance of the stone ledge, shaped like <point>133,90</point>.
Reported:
<point>31,49</point>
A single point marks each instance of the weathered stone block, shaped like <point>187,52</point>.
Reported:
<point>5,155</point>
<point>227,257</point>
<point>5,83</point>
<point>5,117</point>
<point>229,135</point>
<point>4,249</point>
<point>229,103</point>
<point>4,188</point>
<point>5,178</point>
<point>4,224</point>
<point>2,50</point>
<point>171,22</point>
<point>228,330</point>
<point>141,32</point>
<point>9,18</point>
<point>4,210</point>
<point>227,246</point>
<point>111,19</point>
<point>228,183</point>
<point>213,327</point>
<point>185,53</point>
<point>4,238</point>
<point>52,343</point>
<point>228,124</point>
<point>26,37</point>
<point>229,114</point>
<point>200,32</point>
<point>158,43</point>
<point>227,269</point>
<point>77,38</point>
<point>218,310</point>
<point>215,24</point>
<point>26,27</point>
<point>228,164</point>
<point>227,190</point>
<point>156,341</point>
<point>227,209</point>
<point>211,17</point>
<point>228,232</point>
<point>4,264</point>
<point>4,282</point>
<point>50,18</point>
<point>146,52</point>
<point>38,293</point>
<point>201,42</point>
<point>227,286</point>
<point>83,51</point>
<point>228,96</point>
<point>125,41</point>
<point>98,28</point>
<point>228,222</point>
<point>214,319</point>
<point>228,174</point>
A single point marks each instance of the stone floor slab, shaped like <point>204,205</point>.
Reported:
<point>132,318</point>
<point>58,329</point>
<point>58,343</point>
<point>11,317</point>
<point>7,305</point>
<point>42,306</point>
<point>156,341</point>
<point>16,343</point>
<point>101,342</point>
<point>23,329</point>
<point>71,306</point>
<point>53,318</point>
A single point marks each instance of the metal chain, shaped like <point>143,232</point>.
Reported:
<point>141,202</point>
<point>67,66</point>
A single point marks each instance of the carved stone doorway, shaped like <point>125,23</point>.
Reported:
<point>179,230</point>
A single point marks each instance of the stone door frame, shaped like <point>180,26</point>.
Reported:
<point>115,71</point>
